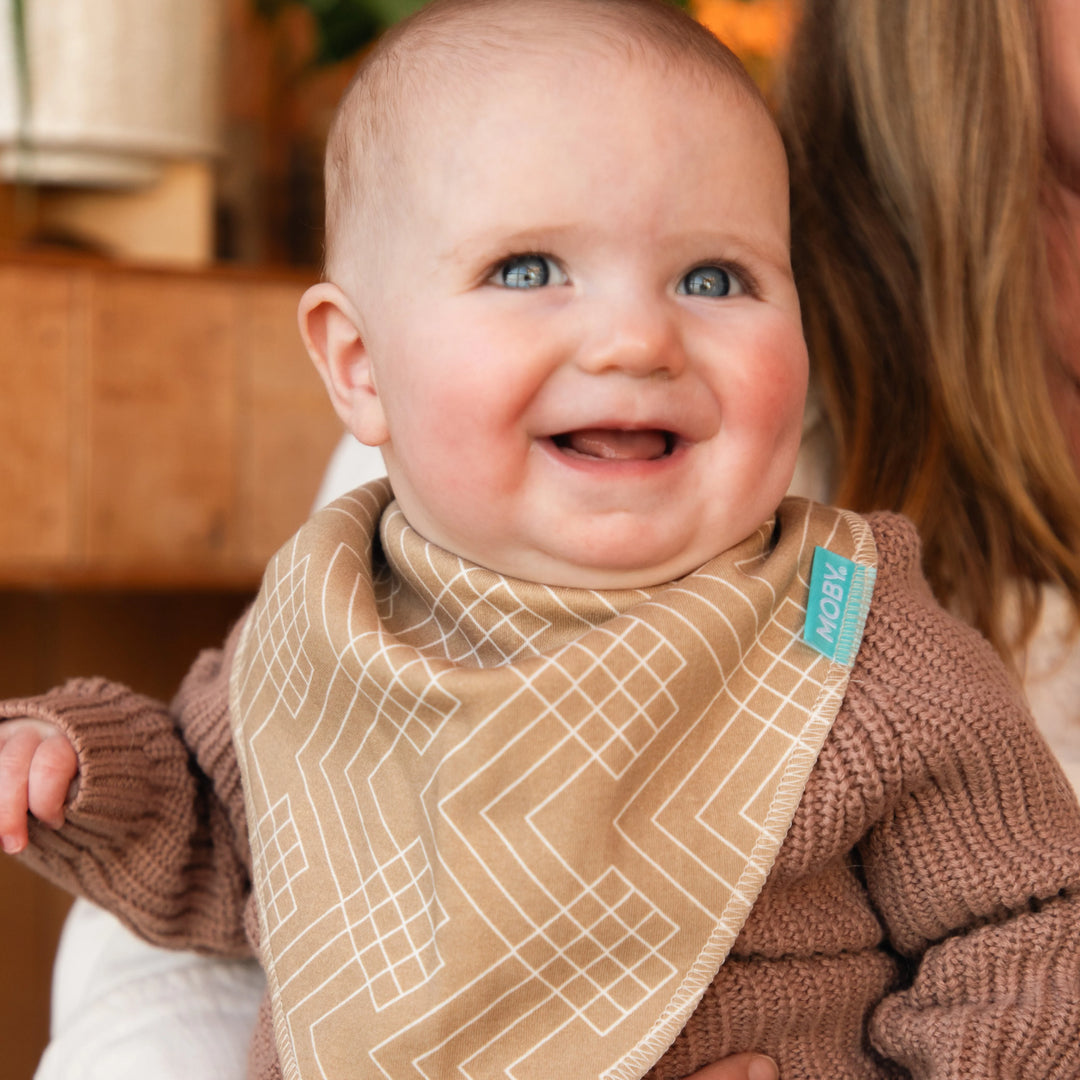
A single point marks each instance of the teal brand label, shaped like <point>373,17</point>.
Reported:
<point>840,592</point>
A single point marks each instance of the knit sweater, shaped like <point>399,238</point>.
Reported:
<point>922,917</point>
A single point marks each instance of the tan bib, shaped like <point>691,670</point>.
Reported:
<point>504,829</point>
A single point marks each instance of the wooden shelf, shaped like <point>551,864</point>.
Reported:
<point>161,428</point>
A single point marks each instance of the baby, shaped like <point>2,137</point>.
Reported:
<point>575,749</point>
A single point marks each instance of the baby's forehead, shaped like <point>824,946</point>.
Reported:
<point>457,86</point>
<point>417,104</point>
<point>457,51</point>
<point>432,63</point>
<point>428,80</point>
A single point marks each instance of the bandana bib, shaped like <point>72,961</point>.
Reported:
<point>505,829</point>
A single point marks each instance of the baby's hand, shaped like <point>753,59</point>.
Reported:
<point>37,768</point>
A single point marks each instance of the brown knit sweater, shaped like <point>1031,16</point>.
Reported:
<point>923,916</point>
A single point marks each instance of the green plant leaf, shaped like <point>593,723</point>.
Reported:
<point>390,11</point>
<point>343,27</point>
<point>268,9</point>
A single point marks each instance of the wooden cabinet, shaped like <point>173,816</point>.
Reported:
<point>160,428</point>
<point>163,433</point>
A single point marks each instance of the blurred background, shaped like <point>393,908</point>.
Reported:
<point>163,430</point>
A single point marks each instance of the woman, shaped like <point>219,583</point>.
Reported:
<point>935,160</point>
<point>935,151</point>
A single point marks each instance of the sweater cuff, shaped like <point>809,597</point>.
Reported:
<point>126,747</point>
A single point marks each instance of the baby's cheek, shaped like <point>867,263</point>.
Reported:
<point>775,394</point>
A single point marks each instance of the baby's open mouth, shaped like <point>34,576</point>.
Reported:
<point>617,444</point>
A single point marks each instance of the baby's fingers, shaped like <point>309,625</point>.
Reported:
<point>20,741</point>
<point>52,770</point>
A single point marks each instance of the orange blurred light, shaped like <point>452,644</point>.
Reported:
<point>749,27</point>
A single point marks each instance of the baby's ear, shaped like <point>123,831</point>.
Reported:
<point>330,327</point>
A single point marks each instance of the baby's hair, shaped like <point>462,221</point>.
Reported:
<point>450,45</point>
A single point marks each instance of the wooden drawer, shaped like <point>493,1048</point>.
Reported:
<point>161,428</point>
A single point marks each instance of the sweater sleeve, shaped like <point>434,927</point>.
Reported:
<point>156,832</point>
<point>975,867</point>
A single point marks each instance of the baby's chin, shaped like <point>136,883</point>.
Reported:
<point>613,552</point>
<point>620,569</point>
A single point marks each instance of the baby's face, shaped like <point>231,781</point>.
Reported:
<point>585,338</point>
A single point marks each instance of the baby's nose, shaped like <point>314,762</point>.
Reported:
<point>637,338</point>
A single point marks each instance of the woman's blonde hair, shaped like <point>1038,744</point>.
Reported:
<point>914,130</point>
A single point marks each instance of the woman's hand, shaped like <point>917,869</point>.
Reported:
<point>739,1067</point>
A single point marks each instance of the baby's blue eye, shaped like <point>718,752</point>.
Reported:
<point>526,272</point>
<point>709,281</point>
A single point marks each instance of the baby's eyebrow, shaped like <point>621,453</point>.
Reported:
<point>766,248</point>
<point>495,241</point>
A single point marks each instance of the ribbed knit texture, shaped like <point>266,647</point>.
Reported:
<point>922,918</point>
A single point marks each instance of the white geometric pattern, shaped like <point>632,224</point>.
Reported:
<point>287,665</point>
<point>392,923</point>
<point>417,711</point>
<point>280,860</point>
<point>614,717</point>
<point>602,955</point>
<point>504,829</point>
